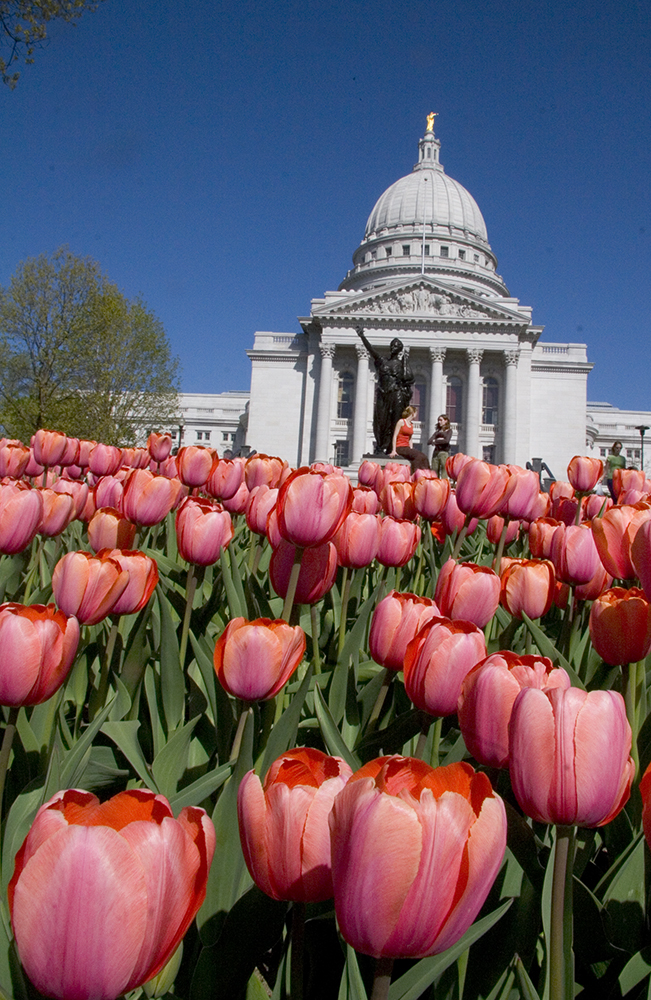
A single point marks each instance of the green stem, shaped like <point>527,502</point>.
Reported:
<point>436,742</point>
<point>382,978</point>
<point>98,696</point>
<point>298,950</point>
<point>561,971</point>
<point>237,742</point>
<point>566,628</point>
<point>343,617</point>
<point>293,583</point>
<point>255,548</point>
<point>5,750</point>
<point>421,746</point>
<point>190,588</point>
<point>461,537</point>
<point>316,653</point>
<point>629,678</point>
<point>379,701</point>
<point>500,547</point>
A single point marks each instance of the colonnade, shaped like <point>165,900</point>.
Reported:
<point>437,400</point>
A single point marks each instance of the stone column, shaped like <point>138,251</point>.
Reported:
<point>473,403</point>
<point>436,401</point>
<point>510,406</point>
<point>322,450</point>
<point>360,413</point>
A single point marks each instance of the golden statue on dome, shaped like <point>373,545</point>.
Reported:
<point>430,120</point>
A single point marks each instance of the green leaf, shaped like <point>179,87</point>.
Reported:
<point>235,597</point>
<point>527,990</point>
<point>74,762</point>
<point>547,648</point>
<point>171,763</point>
<point>283,734</point>
<point>221,704</point>
<point>125,737</point>
<point>200,789</point>
<point>352,984</point>
<point>635,970</point>
<point>172,676</point>
<point>18,822</point>
<point>228,878</point>
<point>624,902</point>
<point>417,979</point>
<point>331,736</point>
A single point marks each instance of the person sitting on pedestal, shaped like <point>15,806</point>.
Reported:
<point>401,444</point>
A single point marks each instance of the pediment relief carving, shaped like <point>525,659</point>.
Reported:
<point>420,300</point>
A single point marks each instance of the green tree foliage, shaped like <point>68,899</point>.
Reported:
<point>76,355</point>
<point>23,26</point>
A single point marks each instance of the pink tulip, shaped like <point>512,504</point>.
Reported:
<point>620,626</point>
<point>107,529</point>
<point>263,469</point>
<point>38,646</point>
<point>398,541</point>
<point>454,519</point>
<point>523,501</point>
<point>487,697</point>
<point>102,895</point>
<point>316,576</point>
<point>21,511</point>
<point>467,591</point>
<point>77,490</point>
<point>365,500</point>
<point>33,469</point>
<point>109,492</point>
<point>238,503</point>
<point>495,527</point>
<point>395,622</point>
<point>641,555</point>
<point>584,473</point>
<point>569,755</point>
<point>430,497</point>
<point>58,512</point>
<point>527,585</point>
<point>49,447</point>
<point>225,479</point>
<point>357,540</point>
<point>367,474</point>
<point>13,460</point>
<point>262,500</point>
<point>148,498</point>
<point>311,506</point>
<point>255,659</point>
<point>143,577</point>
<point>104,459</point>
<point>627,479</point>
<point>611,539</point>
<point>203,529</point>
<point>595,506</point>
<point>284,824</point>
<point>437,660</point>
<point>397,500</point>
<point>541,532</point>
<point>88,586</point>
<point>159,446</point>
<point>482,489</point>
<point>194,464</point>
<point>593,588</point>
<point>455,463</point>
<point>574,553</point>
<point>415,852</point>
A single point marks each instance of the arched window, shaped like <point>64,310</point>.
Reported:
<point>454,399</point>
<point>418,399</point>
<point>491,401</point>
<point>345,395</point>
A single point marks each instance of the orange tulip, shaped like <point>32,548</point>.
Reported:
<point>620,626</point>
<point>255,659</point>
<point>528,585</point>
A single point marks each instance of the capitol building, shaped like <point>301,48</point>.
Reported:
<point>425,273</point>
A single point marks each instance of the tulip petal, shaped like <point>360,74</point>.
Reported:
<point>252,815</point>
<point>605,745</point>
<point>62,935</point>
<point>531,751</point>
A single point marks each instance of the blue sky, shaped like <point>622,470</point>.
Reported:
<point>220,159</point>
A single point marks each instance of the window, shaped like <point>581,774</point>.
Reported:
<point>454,399</point>
<point>389,251</point>
<point>491,401</point>
<point>427,249</point>
<point>341,452</point>
<point>203,435</point>
<point>373,254</point>
<point>476,257</point>
<point>345,396</point>
<point>488,453</point>
<point>224,435</point>
<point>462,254</point>
<point>418,397</point>
<point>445,251</point>
<point>406,249</point>
<point>603,452</point>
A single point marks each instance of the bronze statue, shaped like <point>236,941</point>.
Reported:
<point>393,390</point>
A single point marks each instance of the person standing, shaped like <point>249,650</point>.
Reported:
<point>614,461</point>
<point>441,441</point>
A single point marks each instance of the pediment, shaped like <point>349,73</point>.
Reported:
<point>420,298</point>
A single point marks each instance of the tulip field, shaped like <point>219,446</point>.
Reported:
<point>270,733</point>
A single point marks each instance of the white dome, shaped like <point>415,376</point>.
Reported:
<point>427,196</point>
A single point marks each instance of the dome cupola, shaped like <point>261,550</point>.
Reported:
<point>426,223</point>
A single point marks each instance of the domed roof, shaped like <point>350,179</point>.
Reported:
<point>426,223</point>
<point>427,195</point>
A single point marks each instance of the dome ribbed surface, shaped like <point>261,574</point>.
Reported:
<point>427,195</point>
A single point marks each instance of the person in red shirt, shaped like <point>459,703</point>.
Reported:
<point>401,444</point>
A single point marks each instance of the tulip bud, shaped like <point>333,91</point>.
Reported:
<point>254,660</point>
<point>437,660</point>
